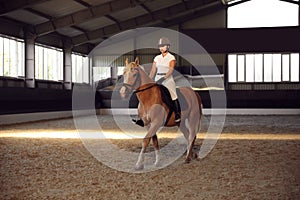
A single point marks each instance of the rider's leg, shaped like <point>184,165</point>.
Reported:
<point>177,110</point>
<point>170,84</point>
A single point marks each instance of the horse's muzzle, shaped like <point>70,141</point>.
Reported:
<point>123,92</point>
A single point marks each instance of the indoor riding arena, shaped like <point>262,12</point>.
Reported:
<point>76,88</point>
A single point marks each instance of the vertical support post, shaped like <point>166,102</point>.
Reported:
<point>299,31</point>
<point>67,54</point>
<point>91,73</point>
<point>30,37</point>
<point>180,64</point>
<point>114,74</point>
<point>298,14</point>
<point>225,64</point>
<point>225,72</point>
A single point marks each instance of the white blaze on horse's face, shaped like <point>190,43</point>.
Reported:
<point>129,75</point>
<point>123,92</point>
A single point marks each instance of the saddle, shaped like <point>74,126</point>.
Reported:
<point>167,99</point>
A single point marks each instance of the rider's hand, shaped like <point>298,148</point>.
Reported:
<point>159,81</point>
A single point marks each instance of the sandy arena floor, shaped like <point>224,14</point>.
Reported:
<point>256,157</point>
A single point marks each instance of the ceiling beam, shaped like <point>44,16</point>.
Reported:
<point>237,3</point>
<point>79,29</point>
<point>183,1</point>
<point>291,1</point>
<point>39,13</point>
<point>85,4</point>
<point>84,15</point>
<point>114,20</point>
<point>11,5</point>
<point>202,11</point>
<point>11,27</point>
<point>146,8</point>
<point>139,21</point>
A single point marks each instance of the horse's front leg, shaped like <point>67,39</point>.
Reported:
<point>156,116</point>
<point>154,126</point>
<point>156,147</point>
<point>140,163</point>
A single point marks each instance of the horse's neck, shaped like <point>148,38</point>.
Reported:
<point>146,87</point>
<point>145,79</point>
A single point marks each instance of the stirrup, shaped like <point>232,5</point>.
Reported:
<point>138,122</point>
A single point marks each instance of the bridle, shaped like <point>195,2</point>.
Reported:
<point>130,87</point>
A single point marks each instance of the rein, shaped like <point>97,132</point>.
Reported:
<point>141,90</point>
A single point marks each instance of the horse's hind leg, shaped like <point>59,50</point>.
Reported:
<point>185,132</point>
<point>190,143</point>
<point>191,139</point>
<point>156,147</point>
<point>190,153</point>
<point>140,163</point>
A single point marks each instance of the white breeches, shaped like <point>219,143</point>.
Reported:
<point>170,84</point>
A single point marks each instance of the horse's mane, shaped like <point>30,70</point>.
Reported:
<point>141,66</point>
<point>135,65</point>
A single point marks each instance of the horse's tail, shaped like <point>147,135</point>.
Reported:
<point>200,111</point>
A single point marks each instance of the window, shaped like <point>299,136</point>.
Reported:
<point>295,67</point>
<point>267,68</point>
<point>263,67</point>
<point>80,69</point>
<point>285,67</point>
<point>241,67</point>
<point>232,68</point>
<point>102,66</point>
<point>48,63</point>
<point>12,61</point>
<point>263,13</point>
<point>277,68</point>
<point>258,67</point>
<point>101,73</point>
<point>120,70</point>
<point>249,68</point>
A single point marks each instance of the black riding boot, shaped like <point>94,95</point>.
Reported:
<point>177,110</point>
<point>138,122</point>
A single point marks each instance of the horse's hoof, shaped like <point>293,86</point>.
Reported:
<point>139,167</point>
<point>187,160</point>
<point>195,156</point>
<point>156,164</point>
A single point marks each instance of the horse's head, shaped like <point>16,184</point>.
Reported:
<point>131,77</point>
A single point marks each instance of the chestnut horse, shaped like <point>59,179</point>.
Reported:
<point>153,111</point>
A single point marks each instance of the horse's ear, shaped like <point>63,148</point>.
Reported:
<point>137,61</point>
<point>126,61</point>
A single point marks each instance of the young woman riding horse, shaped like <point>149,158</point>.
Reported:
<point>163,65</point>
<point>153,111</point>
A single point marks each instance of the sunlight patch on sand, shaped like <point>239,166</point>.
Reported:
<point>111,134</point>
